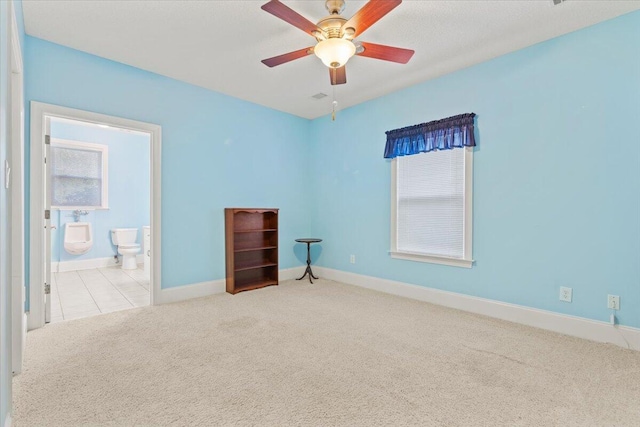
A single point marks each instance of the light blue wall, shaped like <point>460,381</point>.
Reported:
<point>128,184</point>
<point>217,152</point>
<point>556,175</point>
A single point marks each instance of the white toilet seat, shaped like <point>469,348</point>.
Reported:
<point>129,246</point>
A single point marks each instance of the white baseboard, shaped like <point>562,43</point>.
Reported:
<point>203,289</point>
<point>623,336</point>
<point>17,364</point>
<point>7,421</point>
<point>196,290</point>
<point>32,323</point>
<point>290,273</point>
<point>88,264</point>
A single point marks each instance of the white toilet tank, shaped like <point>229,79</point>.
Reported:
<point>124,236</point>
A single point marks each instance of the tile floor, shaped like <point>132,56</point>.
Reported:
<point>84,293</point>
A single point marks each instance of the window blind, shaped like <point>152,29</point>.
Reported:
<point>430,203</point>
<point>76,177</point>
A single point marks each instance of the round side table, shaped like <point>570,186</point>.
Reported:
<point>308,269</point>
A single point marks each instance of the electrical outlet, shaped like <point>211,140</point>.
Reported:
<point>566,294</point>
<point>613,302</point>
<point>352,259</point>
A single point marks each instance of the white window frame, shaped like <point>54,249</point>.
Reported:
<point>467,260</point>
<point>87,146</point>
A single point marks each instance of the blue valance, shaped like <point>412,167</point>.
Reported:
<point>445,134</point>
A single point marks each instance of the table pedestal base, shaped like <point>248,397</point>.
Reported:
<point>308,269</point>
<point>309,272</point>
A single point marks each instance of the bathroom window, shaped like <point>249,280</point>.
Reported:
<point>78,175</point>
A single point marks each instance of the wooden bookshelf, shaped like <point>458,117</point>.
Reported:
<point>251,241</point>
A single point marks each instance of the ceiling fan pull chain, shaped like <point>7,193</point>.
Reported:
<point>334,103</point>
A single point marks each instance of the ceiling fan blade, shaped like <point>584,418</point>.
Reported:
<point>386,53</point>
<point>338,75</point>
<point>281,59</point>
<point>369,15</point>
<point>276,8</point>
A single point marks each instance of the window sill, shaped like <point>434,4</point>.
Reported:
<point>454,262</point>
<point>79,208</point>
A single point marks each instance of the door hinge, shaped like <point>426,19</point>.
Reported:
<point>47,289</point>
<point>47,139</point>
<point>47,214</point>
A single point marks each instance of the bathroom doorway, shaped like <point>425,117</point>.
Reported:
<point>99,181</point>
<point>100,208</point>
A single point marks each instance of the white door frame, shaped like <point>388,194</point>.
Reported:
<point>16,138</point>
<point>36,275</point>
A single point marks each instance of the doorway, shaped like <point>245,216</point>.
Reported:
<point>93,178</point>
<point>100,214</point>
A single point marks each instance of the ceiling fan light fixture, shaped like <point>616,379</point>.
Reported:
<point>335,52</point>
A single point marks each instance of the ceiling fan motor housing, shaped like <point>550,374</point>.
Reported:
<point>331,25</point>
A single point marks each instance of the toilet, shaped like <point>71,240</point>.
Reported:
<point>125,240</point>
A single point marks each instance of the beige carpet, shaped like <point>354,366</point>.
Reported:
<point>326,354</point>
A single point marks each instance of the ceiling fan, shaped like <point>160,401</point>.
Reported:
<point>335,36</point>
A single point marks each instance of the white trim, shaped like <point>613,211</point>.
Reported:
<point>454,262</point>
<point>73,208</point>
<point>394,206</point>
<point>17,233</point>
<point>468,204</point>
<point>103,149</point>
<point>15,42</point>
<point>88,264</point>
<point>197,290</point>
<point>38,113</point>
<point>623,336</point>
<point>290,273</point>
<point>7,421</point>
<point>99,126</point>
<point>467,260</point>
<point>203,289</point>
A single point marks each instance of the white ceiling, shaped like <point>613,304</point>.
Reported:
<point>219,44</point>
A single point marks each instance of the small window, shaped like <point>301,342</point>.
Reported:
<point>78,175</point>
<point>432,207</point>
